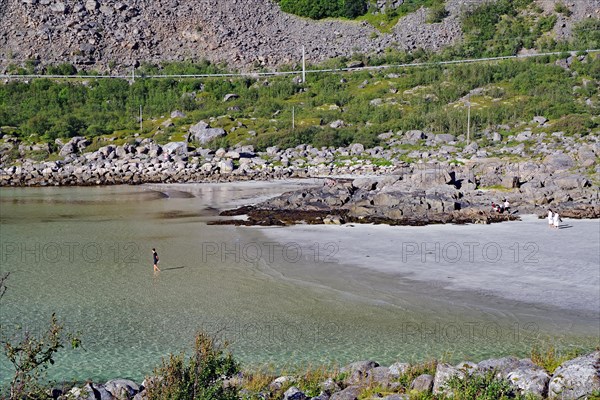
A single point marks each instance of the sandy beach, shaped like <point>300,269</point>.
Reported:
<point>523,260</point>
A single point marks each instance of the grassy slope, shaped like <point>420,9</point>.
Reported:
<point>369,103</point>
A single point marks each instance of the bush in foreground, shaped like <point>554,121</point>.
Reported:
<point>201,376</point>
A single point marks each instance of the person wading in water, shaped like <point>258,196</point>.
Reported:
<point>155,259</point>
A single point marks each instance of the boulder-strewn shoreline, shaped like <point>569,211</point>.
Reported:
<point>578,378</point>
<point>355,184</point>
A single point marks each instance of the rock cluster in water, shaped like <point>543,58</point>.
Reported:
<point>578,378</point>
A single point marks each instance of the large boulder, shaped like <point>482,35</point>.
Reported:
<point>67,149</point>
<point>422,383</point>
<point>586,156</point>
<point>414,136</point>
<point>120,388</point>
<point>203,133</point>
<point>523,136</point>
<point>101,393</point>
<point>357,371</point>
<point>428,176</point>
<point>337,124</point>
<point>558,162</point>
<point>365,183</point>
<point>569,182</point>
<point>294,393</point>
<point>350,393</point>
<point>177,114</point>
<point>280,382</point>
<point>380,376</point>
<point>357,148</point>
<point>443,373</point>
<point>398,369</point>
<point>444,138</point>
<point>387,199</point>
<point>510,182</point>
<point>231,96</point>
<point>329,386</point>
<point>175,148</point>
<point>576,378</point>
<point>85,393</point>
<point>530,379</point>
<point>500,366</point>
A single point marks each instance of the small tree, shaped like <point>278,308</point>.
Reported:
<point>201,376</point>
<point>30,355</point>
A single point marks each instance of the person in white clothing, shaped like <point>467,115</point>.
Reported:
<point>557,220</point>
<point>550,218</point>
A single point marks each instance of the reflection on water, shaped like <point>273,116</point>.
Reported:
<point>85,253</point>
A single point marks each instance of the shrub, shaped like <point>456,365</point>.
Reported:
<point>575,124</point>
<point>478,387</point>
<point>437,13</point>
<point>587,33</point>
<point>318,9</point>
<point>201,376</point>
<point>31,354</point>
<point>61,69</point>
<point>561,8</point>
<point>551,358</point>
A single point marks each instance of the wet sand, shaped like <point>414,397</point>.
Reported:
<point>523,260</point>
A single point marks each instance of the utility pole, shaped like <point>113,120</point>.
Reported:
<point>141,120</point>
<point>303,65</point>
<point>468,118</point>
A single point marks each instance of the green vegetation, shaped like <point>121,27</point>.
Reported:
<point>199,377</point>
<point>369,102</point>
<point>31,354</point>
<point>387,20</point>
<point>501,28</point>
<point>437,13</point>
<point>318,9</point>
<point>550,358</point>
<point>478,387</point>
<point>362,10</point>
<point>587,33</point>
<point>561,8</point>
<point>211,372</point>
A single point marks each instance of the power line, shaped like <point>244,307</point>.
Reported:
<point>308,71</point>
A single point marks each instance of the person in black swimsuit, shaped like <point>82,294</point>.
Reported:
<point>155,259</point>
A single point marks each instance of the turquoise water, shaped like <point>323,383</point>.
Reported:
<point>85,254</point>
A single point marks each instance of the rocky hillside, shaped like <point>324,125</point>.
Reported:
<point>245,34</point>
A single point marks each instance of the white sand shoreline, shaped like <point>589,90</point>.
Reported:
<point>523,260</point>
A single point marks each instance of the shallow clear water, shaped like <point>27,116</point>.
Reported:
<point>85,253</point>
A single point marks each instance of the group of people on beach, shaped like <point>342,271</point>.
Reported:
<point>500,208</point>
<point>553,219</point>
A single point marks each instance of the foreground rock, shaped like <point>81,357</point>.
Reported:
<point>578,378</point>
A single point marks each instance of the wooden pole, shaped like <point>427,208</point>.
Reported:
<point>303,65</point>
<point>469,119</point>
